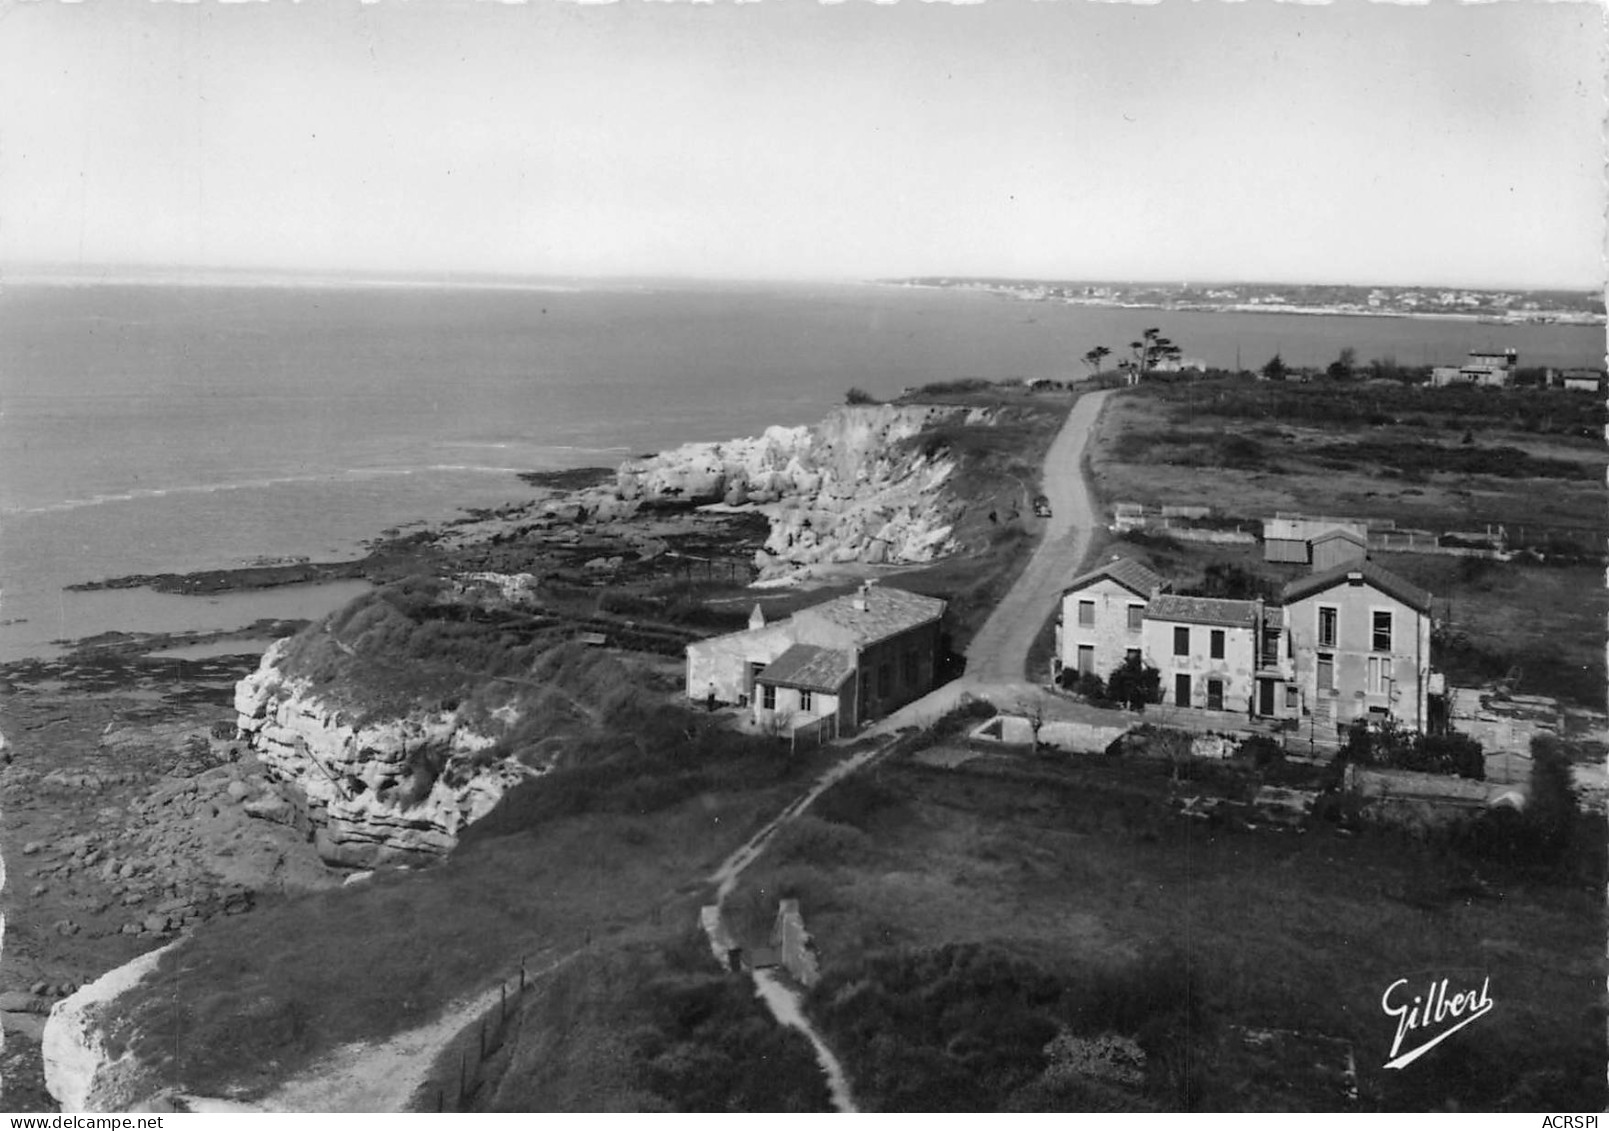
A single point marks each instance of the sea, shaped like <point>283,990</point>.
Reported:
<point>163,426</point>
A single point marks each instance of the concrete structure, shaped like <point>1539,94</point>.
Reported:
<point>1101,615</point>
<point>848,660</point>
<point>796,951</point>
<point>1493,369</point>
<point>1206,649</point>
<point>1360,640</point>
<point>1582,380</point>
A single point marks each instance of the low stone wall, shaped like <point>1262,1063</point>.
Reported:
<point>1078,738</point>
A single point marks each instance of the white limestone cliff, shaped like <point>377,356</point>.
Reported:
<point>82,1071</point>
<point>364,789</point>
<point>847,489</point>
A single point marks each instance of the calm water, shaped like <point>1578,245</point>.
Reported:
<point>161,428</point>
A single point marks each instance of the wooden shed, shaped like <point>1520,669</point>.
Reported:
<point>1335,546</point>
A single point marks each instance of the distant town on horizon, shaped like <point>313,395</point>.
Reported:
<point>1508,306</point>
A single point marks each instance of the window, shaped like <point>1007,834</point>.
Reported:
<point>1382,630</point>
<point>1181,690</point>
<point>1290,698</point>
<point>1181,642</point>
<point>1215,695</point>
<point>1086,659</point>
<point>1217,644</point>
<point>1326,673</point>
<point>1132,654</point>
<point>1086,613</point>
<point>768,697</point>
<point>885,680</point>
<point>1326,626</point>
<point>805,700</point>
<point>1136,617</point>
<point>1379,675</point>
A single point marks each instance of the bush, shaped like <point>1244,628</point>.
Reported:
<point>859,396</point>
<point>1391,745</point>
<point>1134,684</point>
<point>1262,750</point>
<point>1089,685</point>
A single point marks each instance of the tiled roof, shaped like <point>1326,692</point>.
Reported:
<point>1202,610</point>
<point>888,612</point>
<point>1126,572</point>
<point>1382,579</point>
<point>809,667</point>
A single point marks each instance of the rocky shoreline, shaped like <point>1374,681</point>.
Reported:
<point>129,815</point>
<point>136,806</point>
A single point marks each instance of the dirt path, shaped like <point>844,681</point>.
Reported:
<point>997,659</point>
<point>783,1000</point>
<point>999,653</point>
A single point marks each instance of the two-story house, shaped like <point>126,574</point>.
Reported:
<point>1207,649</point>
<point>1102,614</point>
<point>1360,639</point>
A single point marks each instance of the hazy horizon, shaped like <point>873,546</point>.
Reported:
<point>790,141</point>
<point>191,274</point>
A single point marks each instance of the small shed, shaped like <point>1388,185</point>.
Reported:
<point>1335,546</point>
<point>1283,541</point>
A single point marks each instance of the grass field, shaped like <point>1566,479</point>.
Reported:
<point>961,912</point>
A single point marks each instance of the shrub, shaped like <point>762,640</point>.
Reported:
<point>859,396</point>
<point>1262,750</point>
<point>1089,685</point>
<point>1134,684</point>
<point>1392,745</point>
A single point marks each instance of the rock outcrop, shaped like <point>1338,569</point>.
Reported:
<point>392,791</point>
<point>82,1071</point>
<point>849,489</point>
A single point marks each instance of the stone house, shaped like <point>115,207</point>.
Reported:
<point>1102,612</point>
<point>1206,649</point>
<point>1360,642</point>
<point>837,665</point>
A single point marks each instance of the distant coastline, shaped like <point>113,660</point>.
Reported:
<point>1496,308</point>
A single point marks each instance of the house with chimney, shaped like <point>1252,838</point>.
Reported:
<point>1102,617</point>
<point>833,667</point>
<point>1346,642</point>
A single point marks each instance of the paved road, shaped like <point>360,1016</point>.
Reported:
<point>997,659</point>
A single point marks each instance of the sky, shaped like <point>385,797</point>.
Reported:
<point>1186,140</point>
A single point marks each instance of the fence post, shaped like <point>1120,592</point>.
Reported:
<point>482,1040</point>
<point>522,974</point>
<point>502,1005</point>
<point>462,1057</point>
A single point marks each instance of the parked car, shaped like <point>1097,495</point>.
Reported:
<point>1041,506</point>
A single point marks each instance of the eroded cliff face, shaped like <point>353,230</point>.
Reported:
<point>393,791</point>
<point>848,489</point>
<point>82,1070</point>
